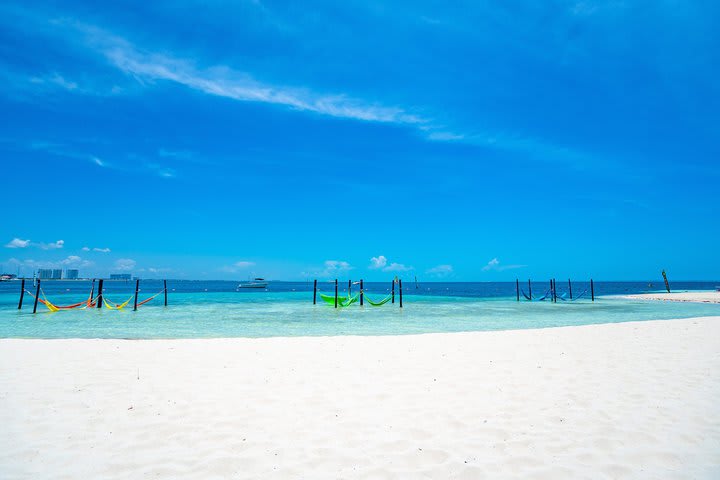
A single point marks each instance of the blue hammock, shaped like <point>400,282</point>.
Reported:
<point>547,293</point>
<point>579,296</point>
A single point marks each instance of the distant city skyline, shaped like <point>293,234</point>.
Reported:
<point>467,142</point>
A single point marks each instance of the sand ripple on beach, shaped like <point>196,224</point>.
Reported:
<point>635,400</point>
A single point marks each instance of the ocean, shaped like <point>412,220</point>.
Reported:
<point>211,309</point>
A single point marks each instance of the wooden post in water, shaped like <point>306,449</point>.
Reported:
<point>362,292</point>
<point>92,292</point>
<point>529,290</point>
<point>349,288</point>
<point>517,289</point>
<point>165,289</point>
<point>400,286</point>
<point>137,289</point>
<point>592,290</point>
<point>667,284</point>
<point>315,292</point>
<point>551,290</point>
<point>393,291</point>
<point>22,293</point>
<point>554,290</point>
<point>570,288</point>
<point>37,295</point>
<point>100,293</point>
<point>336,293</point>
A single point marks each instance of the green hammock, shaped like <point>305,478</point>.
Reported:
<point>351,301</point>
<point>342,301</point>
<point>377,304</point>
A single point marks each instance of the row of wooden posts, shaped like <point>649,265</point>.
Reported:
<point>99,300</point>
<point>362,292</point>
<point>553,289</point>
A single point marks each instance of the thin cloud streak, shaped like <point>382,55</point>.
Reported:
<point>227,82</point>
<point>494,265</point>
<point>148,68</point>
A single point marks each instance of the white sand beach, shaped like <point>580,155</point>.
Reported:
<point>695,296</point>
<point>632,400</point>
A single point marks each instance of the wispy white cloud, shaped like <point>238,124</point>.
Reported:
<point>20,243</point>
<point>378,262</point>
<point>139,163</point>
<point>444,136</point>
<point>525,145</point>
<point>148,67</point>
<point>337,265</point>
<point>54,79</point>
<point>162,171</point>
<point>63,151</point>
<point>397,267</point>
<point>223,81</point>
<point>244,264</point>
<point>74,261</point>
<point>494,265</point>
<point>159,270</point>
<point>381,263</point>
<point>101,250</point>
<point>440,270</point>
<point>330,268</point>
<point>17,243</point>
<point>51,246</point>
<point>237,266</point>
<point>70,261</point>
<point>125,264</point>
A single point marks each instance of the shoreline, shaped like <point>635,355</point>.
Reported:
<point>632,399</point>
<point>697,296</point>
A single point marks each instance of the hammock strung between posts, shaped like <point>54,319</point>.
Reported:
<point>579,296</point>
<point>341,301</point>
<point>90,302</point>
<point>377,304</point>
<point>330,300</point>
<point>350,301</point>
<point>547,293</point>
<point>116,306</point>
<point>51,306</point>
<point>150,298</point>
<point>564,297</point>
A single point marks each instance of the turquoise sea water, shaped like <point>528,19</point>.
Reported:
<point>287,310</point>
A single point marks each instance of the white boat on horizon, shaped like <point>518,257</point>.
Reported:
<point>255,283</point>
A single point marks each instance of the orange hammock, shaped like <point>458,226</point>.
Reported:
<point>89,303</point>
<point>55,308</point>
<point>119,306</point>
<point>148,299</point>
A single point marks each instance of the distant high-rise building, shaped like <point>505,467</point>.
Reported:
<point>120,276</point>
<point>44,273</point>
<point>72,274</point>
<point>50,273</point>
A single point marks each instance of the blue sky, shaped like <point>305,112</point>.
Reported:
<point>480,141</point>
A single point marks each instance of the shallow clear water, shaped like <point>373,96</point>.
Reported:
<point>223,312</point>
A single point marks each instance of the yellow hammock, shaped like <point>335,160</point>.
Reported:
<point>116,306</point>
<point>49,305</point>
